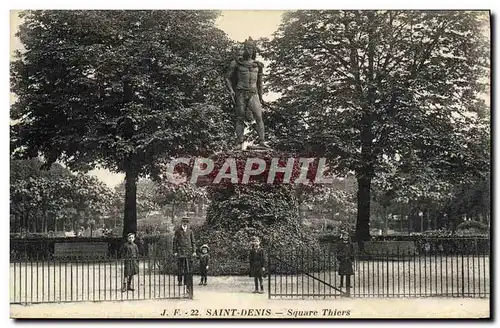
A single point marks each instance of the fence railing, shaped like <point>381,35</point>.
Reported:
<point>81,279</point>
<point>315,273</point>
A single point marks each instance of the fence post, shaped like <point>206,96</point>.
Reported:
<point>190,264</point>
<point>269,255</point>
<point>463,270</point>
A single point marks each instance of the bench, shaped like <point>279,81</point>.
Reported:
<point>80,250</point>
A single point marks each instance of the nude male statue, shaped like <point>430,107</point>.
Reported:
<point>244,81</point>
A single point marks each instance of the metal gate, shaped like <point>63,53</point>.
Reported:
<point>309,273</point>
<point>430,273</point>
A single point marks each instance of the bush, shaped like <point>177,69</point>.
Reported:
<point>433,234</point>
<point>229,249</point>
<point>161,250</point>
<point>34,235</point>
<point>435,242</point>
<point>473,225</point>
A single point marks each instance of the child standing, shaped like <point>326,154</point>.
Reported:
<point>204,259</point>
<point>345,258</point>
<point>257,264</point>
<point>130,253</point>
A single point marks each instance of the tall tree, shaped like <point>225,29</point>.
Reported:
<point>43,200</point>
<point>365,88</point>
<point>119,89</point>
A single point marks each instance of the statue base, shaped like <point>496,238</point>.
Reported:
<point>251,146</point>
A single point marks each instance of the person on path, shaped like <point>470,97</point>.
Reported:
<point>345,256</point>
<point>257,264</point>
<point>204,259</point>
<point>184,251</point>
<point>130,253</point>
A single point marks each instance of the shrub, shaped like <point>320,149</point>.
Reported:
<point>161,250</point>
<point>473,225</point>
<point>432,233</point>
<point>229,249</point>
<point>437,241</point>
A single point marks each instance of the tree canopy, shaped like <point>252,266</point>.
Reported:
<point>119,89</point>
<point>380,91</point>
<point>55,199</point>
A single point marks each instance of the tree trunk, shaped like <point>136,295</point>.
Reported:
<point>17,222</point>
<point>173,213</point>
<point>46,223</point>
<point>35,222</point>
<point>485,217</point>
<point>401,222</point>
<point>130,213</point>
<point>366,171</point>
<point>26,221</point>
<point>386,220</point>
<point>410,224</point>
<point>363,215</point>
<point>421,220</point>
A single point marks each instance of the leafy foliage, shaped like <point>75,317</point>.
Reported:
<point>380,91</point>
<point>147,199</point>
<point>119,89</point>
<point>254,207</point>
<point>238,212</point>
<point>473,225</point>
<point>145,69</point>
<point>50,200</point>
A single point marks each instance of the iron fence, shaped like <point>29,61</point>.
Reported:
<point>314,273</point>
<point>38,278</point>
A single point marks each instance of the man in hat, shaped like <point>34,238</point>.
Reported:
<point>184,250</point>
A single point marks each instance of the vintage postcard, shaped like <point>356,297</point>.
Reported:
<point>294,164</point>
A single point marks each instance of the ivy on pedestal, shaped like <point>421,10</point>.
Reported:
<point>239,211</point>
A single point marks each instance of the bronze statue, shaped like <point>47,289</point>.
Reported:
<point>244,81</point>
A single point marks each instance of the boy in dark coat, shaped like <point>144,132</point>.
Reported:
<point>345,256</point>
<point>204,259</point>
<point>184,250</point>
<point>130,253</point>
<point>257,264</point>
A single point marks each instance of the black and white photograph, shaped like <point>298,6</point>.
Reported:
<point>250,164</point>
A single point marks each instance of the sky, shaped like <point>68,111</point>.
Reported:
<point>238,24</point>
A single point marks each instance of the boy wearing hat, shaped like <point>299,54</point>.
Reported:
<point>130,253</point>
<point>257,264</point>
<point>204,258</point>
<point>184,250</point>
